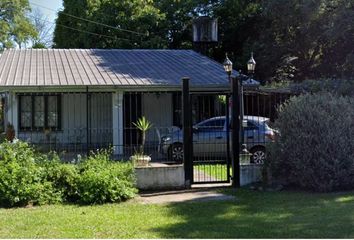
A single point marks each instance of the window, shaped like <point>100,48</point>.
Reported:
<point>39,112</point>
<point>250,126</point>
<point>212,125</point>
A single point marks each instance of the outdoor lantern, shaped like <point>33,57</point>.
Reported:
<point>227,65</point>
<point>251,65</point>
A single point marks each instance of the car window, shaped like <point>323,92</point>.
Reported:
<point>250,126</point>
<point>214,124</point>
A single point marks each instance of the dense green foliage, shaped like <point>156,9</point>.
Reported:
<point>102,180</point>
<point>292,39</point>
<point>15,26</point>
<point>340,87</point>
<point>28,177</point>
<point>315,147</point>
<point>21,178</point>
<point>302,39</point>
<point>134,15</point>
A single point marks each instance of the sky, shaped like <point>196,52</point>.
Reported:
<point>52,4</point>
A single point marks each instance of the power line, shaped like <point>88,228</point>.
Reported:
<point>84,31</point>
<point>90,21</point>
<point>92,33</point>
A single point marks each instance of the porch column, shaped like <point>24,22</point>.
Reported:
<point>12,112</point>
<point>117,123</point>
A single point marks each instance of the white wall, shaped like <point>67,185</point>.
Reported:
<point>157,108</point>
<point>74,121</point>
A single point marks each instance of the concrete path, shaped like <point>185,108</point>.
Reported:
<point>190,195</point>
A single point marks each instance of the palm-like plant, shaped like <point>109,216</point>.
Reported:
<point>143,125</point>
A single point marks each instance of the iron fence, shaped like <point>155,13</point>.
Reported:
<point>76,123</point>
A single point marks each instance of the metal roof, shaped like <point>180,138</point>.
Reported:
<point>107,67</point>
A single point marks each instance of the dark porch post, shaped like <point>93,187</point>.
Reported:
<point>235,135</point>
<point>187,133</point>
<point>88,121</point>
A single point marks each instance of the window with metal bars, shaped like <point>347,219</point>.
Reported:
<point>39,112</point>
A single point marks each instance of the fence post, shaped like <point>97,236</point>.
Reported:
<point>235,134</point>
<point>187,133</point>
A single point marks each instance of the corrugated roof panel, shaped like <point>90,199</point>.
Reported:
<point>40,68</point>
<point>80,67</point>
<point>123,78</point>
<point>88,55</point>
<point>75,75</point>
<point>13,68</point>
<point>81,78</point>
<point>47,70</point>
<point>3,61</point>
<point>89,79</point>
<point>106,77</point>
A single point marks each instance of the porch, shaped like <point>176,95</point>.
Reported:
<point>74,123</point>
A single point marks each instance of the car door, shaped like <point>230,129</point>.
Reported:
<point>251,134</point>
<point>209,138</point>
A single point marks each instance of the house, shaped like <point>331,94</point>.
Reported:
<point>80,99</point>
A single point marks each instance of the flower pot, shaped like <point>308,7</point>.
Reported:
<point>140,160</point>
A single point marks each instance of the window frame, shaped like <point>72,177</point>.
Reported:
<point>33,127</point>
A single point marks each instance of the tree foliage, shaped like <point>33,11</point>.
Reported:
<point>307,39</point>
<point>291,39</point>
<point>15,26</point>
<point>139,16</point>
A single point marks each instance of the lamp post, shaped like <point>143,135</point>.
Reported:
<point>238,113</point>
<point>228,66</point>
<point>251,66</point>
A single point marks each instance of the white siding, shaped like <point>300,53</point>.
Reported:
<point>157,108</point>
<point>74,121</point>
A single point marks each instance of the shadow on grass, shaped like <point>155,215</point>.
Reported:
<point>265,215</point>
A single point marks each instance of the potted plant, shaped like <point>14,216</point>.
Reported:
<point>10,132</point>
<point>139,158</point>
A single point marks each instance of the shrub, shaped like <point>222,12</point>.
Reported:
<point>102,180</point>
<point>344,87</point>
<point>28,177</point>
<point>64,176</point>
<point>21,181</point>
<point>315,149</point>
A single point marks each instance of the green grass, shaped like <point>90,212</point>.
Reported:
<point>215,171</point>
<point>251,215</point>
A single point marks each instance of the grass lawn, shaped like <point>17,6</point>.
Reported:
<point>215,171</point>
<point>252,215</point>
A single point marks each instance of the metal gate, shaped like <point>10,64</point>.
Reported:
<point>206,134</point>
<point>210,137</point>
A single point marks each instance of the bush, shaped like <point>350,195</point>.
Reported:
<point>342,87</point>
<point>21,181</point>
<point>27,177</point>
<point>64,176</point>
<point>102,180</point>
<point>315,149</point>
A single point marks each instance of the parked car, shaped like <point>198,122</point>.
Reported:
<point>210,139</point>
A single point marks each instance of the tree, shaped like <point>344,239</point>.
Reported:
<point>15,26</point>
<point>44,28</point>
<point>238,28</point>
<point>307,39</point>
<point>177,24</point>
<point>123,24</point>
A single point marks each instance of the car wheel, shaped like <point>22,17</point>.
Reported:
<point>258,155</point>
<point>175,152</point>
